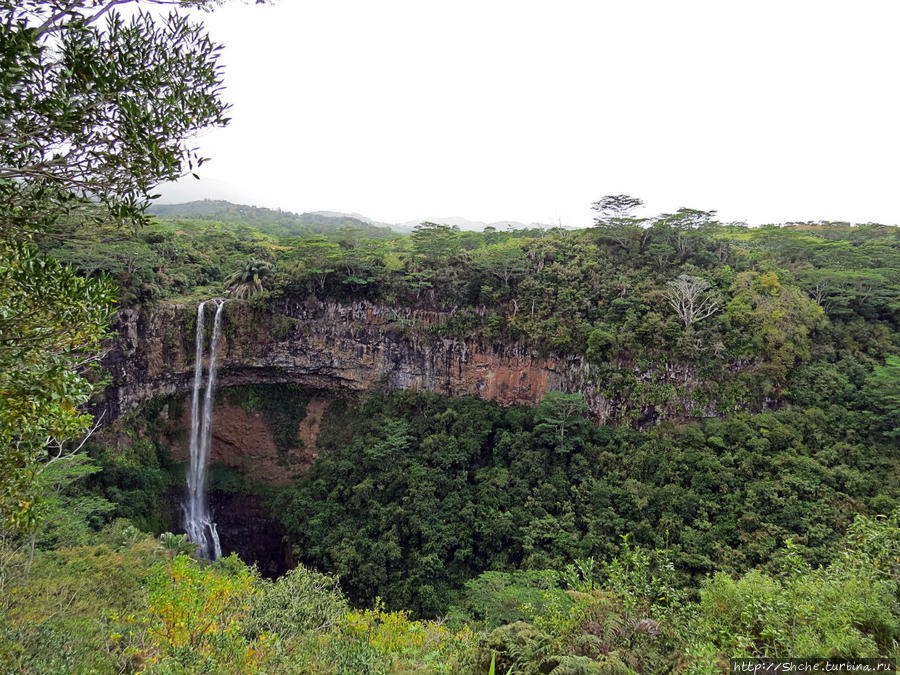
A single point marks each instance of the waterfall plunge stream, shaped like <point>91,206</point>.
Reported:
<point>197,522</point>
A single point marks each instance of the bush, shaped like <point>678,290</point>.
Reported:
<point>845,610</point>
<point>300,601</point>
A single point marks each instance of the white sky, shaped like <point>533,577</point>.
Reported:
<point>767,111</point>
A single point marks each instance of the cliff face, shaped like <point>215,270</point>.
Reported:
<point>328,347</point>
<point>242,440</point>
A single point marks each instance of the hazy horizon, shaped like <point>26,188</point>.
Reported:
<point>514,111</point>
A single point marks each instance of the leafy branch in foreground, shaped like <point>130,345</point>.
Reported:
<point>52,322</point>
<point>96,109</point>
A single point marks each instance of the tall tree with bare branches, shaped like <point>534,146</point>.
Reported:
<point>692,298</point>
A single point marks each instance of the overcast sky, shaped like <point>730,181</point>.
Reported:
<point>495,110</point>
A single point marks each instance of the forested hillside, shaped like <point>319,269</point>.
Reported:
<point>718,479</point>
<point>269,221</point>
<point>786,338</point>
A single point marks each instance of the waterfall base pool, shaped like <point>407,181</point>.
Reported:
<point>244,527</point>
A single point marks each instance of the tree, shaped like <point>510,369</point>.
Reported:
<point>506,262</point>
<point>692,299</point>
<point>615,208</point>
<point>196,616</point>
<point>883,390</point>
<point>52,322</point>
<point>317,258</point>
<point>616,220</point>
<point>660,235</point>
<point>95,110</point>
<point>248,280</point>
<point>361,265</point>
<point>433,243</point>
<point>774,320</point>
<point>599,345</point>
<point>686,224</point>
<point>841,293</point>
<point>561,419</point>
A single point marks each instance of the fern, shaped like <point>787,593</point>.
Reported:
<point>582,665</point>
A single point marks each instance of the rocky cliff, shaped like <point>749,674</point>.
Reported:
<point>329,347</point>
<point>242,439</point>
<point>326,347</point>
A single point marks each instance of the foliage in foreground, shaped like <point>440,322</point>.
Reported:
<point>52,322</point>
<point>130,603</point>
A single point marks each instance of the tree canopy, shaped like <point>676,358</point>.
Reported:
<point>96,109</point>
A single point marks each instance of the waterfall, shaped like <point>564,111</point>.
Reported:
<point>197,522</point>
<point>192,506</point>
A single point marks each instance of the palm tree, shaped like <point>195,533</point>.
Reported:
<point>247,281</point>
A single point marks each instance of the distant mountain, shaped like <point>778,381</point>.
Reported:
<point>272,221</point>
<point>287,224</point>
<point>466,224</point>
<point>461,223</point>
<point>357,216</point>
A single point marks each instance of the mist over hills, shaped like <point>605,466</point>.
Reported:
<point>287,223</point>
<point>356,216</point>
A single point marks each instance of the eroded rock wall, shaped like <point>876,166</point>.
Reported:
<point>326,347</point>
<point>242,440</point>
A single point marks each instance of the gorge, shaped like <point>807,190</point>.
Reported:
<point>646,439</point>
<point>411,443</point>
<point>316,354</point>
<point>426,450</point>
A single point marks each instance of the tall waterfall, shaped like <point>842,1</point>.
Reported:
<point>197,522</point>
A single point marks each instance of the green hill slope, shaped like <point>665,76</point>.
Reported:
<point>270,221</point>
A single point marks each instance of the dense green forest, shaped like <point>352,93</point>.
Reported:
<point>543,539</point>
<point>749,508</point>
<point>427,491</point>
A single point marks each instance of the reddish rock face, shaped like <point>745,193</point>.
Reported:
<point>331,347</point>
<point>242,440</point>
<point>309,428</point>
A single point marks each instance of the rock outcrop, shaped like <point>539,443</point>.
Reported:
<point>242,440</point>
<point>329,347</point>
<point>332,347</point>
